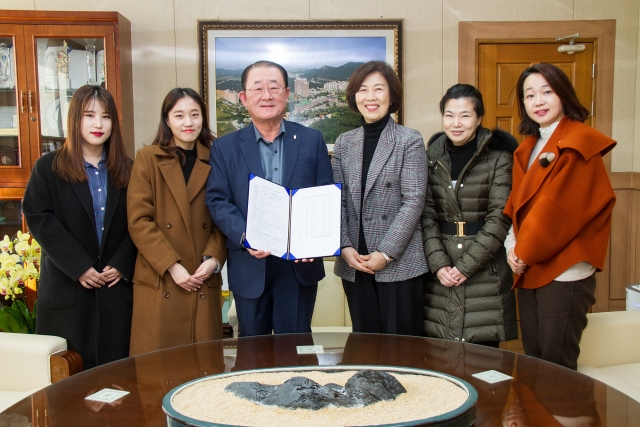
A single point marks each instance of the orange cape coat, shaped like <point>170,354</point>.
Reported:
<point>561,213</point>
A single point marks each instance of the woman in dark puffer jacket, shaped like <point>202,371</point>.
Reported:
<point>468,294</point>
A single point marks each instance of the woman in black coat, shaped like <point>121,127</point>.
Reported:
<point>75,207</point>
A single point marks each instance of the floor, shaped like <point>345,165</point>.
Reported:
<point>514,345</point>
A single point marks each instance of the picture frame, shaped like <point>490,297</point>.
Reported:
<point>319,57</point>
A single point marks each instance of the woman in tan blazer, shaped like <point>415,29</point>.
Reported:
<point>176,298</point>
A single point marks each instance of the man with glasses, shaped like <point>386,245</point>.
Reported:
<point>270,293</point>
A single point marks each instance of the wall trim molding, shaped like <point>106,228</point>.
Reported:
<point>625,180</point>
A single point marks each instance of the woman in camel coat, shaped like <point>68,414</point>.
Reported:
<point>177,278</point>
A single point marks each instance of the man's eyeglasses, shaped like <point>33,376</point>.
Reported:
<point>258,91</point>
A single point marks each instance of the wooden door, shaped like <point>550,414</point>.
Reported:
<point>53,79</point>
<point>500,65</point>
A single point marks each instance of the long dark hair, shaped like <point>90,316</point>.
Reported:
<point>68,162</point>
<point>164,136</point>
<point>562,87</point>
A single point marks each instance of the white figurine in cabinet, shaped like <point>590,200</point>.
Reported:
<point>5,66</point>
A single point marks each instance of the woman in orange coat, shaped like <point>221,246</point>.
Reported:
<point>560,205</point>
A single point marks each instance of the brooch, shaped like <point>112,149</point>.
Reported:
<point>546,159</point>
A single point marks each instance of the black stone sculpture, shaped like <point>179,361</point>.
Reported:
<point>362,389</point>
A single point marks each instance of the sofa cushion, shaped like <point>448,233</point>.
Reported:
<point>624,378</point>
<point>611,338</point>
<point>330,300</point>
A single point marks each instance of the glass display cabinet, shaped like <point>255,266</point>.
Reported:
<point>44,58</point>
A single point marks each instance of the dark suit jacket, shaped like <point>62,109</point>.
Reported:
<point>233,157</point>
<point>95,322</point>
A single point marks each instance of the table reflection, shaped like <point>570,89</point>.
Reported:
<point>540,394</point>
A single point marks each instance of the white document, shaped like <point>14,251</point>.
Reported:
<point>309,349</point>
<point>267,217</point>
<point>293,224</point>
<point>491,376</point>
<point>107,395</point>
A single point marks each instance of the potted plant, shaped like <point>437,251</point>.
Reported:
<point>19,262</point>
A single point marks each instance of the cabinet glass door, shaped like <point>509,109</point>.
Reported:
<point>66,58</point>
<point>64,65</point>
<point>14,152</point>
<point>9,142</point>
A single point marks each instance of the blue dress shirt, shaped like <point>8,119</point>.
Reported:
<point>272,155</point>
<point>98,186</point>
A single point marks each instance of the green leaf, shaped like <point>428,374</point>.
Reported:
<point>8,323</point>
<point>14,312</point>
<point>32,326</point>
<point>18,318</point>
<point>15,321</point>
<point>24,310</point>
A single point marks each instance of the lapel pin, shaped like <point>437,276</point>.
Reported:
<point>546,159</point>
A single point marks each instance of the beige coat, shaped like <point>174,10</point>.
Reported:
<point>169,222</point>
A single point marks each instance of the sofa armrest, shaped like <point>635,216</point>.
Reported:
<point>64,364</point>
<point>32,352</point>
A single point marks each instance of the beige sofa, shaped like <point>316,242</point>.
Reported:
<point>30,362</point>
<point>610,350</point>
<point>331,312</point>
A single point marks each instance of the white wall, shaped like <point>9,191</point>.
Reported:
<point>165,47</point>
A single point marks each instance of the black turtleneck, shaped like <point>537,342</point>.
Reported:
<point>189,163</point>
<point>372,133</point>
<point>461,155</point>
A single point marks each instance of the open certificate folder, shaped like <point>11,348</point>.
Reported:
<point>293,224</point>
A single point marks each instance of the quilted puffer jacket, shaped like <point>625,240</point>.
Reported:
<point>483,307</point>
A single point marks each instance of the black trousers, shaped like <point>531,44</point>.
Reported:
<point>553,317</point>
<point>285,306</point>
<point>385,307</point>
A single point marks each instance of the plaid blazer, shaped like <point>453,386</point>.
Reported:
<point>393,199</point>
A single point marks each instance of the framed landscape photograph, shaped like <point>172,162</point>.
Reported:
<point>319,57</point>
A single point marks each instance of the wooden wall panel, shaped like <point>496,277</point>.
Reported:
<point>622,267</point>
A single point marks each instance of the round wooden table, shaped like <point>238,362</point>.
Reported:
<point>540,393</point>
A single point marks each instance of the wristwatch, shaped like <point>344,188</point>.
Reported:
<point>386,257</point>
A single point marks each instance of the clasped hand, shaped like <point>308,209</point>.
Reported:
<point>449,276</point>
<point>517,265</point>
<point>371,263</point>
<point>189,282</point>
<point>93,279</point>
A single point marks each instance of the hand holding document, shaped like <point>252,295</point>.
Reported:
<point>293,224</point>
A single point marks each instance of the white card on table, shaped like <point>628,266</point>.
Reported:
<point>107,395</point>
<point>310,349</point>
<point>492,376</point>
